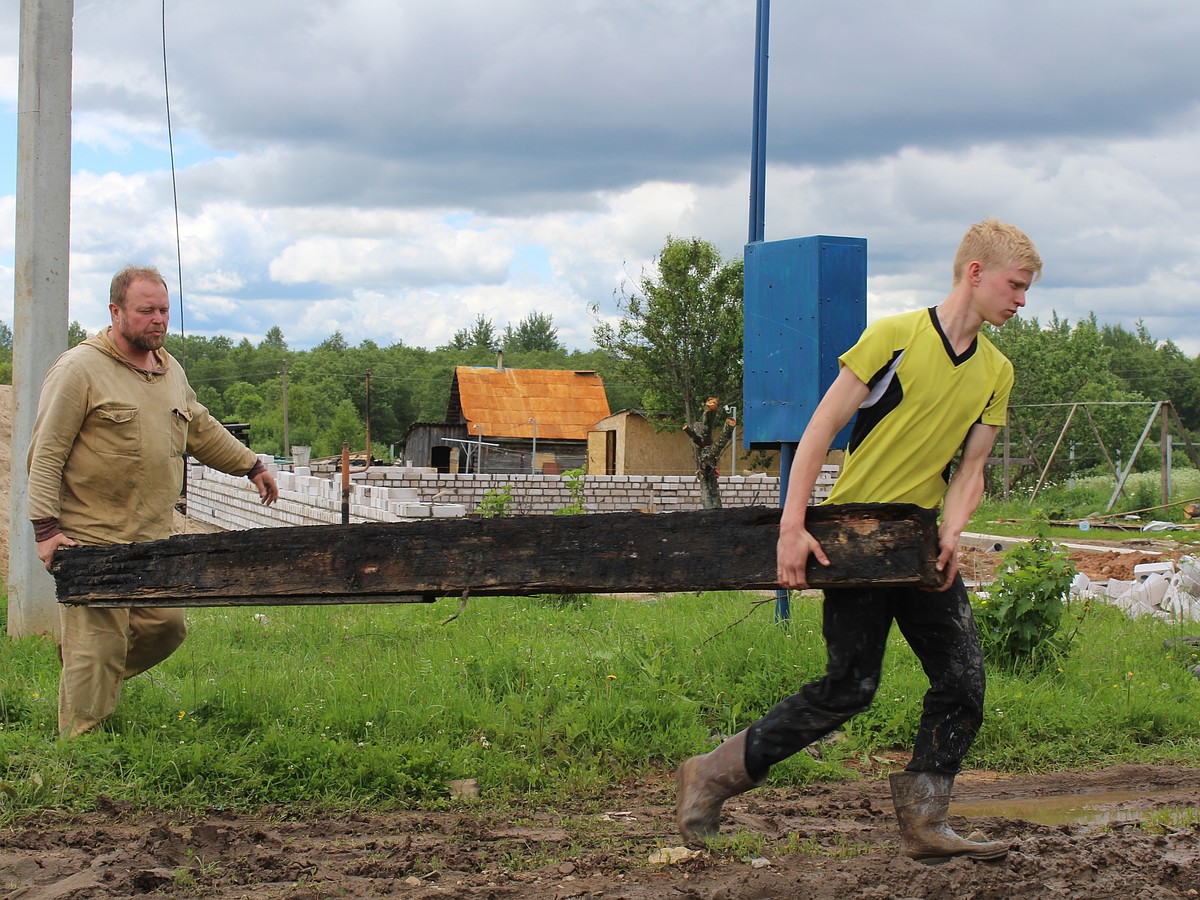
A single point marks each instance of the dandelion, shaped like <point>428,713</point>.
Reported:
<point>611,677</point>
<point>368,724</point>
<point>36,695</point>
<point>182,715</point>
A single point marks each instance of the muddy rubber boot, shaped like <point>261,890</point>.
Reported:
<point>922,800</point>
<point>703,783</point>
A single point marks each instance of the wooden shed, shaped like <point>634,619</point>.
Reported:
<point>627,443</point>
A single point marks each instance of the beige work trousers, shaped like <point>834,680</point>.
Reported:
<point>100,648</point>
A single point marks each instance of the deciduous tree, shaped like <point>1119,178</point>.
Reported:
<point>680,334</point>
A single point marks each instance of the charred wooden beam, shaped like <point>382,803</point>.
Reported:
<point>719,549</point>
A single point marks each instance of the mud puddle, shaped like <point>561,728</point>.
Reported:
<point>1092,808</point>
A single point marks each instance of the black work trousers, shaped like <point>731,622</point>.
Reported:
<point>940,628</point>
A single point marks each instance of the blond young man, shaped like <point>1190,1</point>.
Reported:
<point>926,386</point>
<point>115,417</point>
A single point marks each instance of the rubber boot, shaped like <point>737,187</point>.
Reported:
<point>703,783</point>
<point>922,800</point>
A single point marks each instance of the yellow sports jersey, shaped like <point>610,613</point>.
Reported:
<point>922,403</point>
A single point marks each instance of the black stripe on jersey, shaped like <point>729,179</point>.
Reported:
<point>870,416</point>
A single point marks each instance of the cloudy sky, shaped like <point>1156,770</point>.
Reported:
<point>392,169</point>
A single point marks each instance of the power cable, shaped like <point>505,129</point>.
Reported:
<point>174,189</point>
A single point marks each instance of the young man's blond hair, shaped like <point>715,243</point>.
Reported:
<point>994,244</point>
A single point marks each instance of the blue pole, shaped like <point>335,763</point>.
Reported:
<point>758,217</point>
<point>787,453</point>
<point>758,155</point>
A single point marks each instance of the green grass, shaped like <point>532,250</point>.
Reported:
<point>1088,498</point>
<point>369,706</point>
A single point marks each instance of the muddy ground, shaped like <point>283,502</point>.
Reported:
<point>846,846</point>
<point>843,840</point>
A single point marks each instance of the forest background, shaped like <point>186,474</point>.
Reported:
<point>679,341</point>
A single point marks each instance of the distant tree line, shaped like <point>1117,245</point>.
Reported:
<point>1121,372</point>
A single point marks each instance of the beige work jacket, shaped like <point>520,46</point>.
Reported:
<point>106,457</point>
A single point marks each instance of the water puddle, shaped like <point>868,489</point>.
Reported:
<point>1084,809</point>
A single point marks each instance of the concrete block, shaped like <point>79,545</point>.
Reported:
<point>412,510</point>
<point>1144,570</point>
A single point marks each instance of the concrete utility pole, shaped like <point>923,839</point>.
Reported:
<point>43,239</point>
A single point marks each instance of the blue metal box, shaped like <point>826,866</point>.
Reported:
<point>805,305</point>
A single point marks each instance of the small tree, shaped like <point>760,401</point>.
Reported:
<point>680,337</point>
<point>709,446</point>
<point>534,332</point>
<point>6,347</point>
<point>481,335</point>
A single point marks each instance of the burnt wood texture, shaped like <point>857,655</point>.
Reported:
<point>413,562</point>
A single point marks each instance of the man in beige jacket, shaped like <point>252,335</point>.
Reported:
<point>115,418</point>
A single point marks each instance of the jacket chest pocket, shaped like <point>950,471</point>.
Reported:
<point>180,420</point>
<point>116,430</point>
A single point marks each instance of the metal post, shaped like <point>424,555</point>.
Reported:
<point>368,417</point>
<point>787,454</point>
<point>533,455</point>
<point>733,447</point>
<point>287,445</point>
<point>478,447</point>
<point>758,156</point>
<point>1165,455</point>
<point>345,482</point>
<point>758,182</point>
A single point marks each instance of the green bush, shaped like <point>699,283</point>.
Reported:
<point>495,503</point>
<point>1021,619</point>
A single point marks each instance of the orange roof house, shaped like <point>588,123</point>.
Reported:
<point>511,420</point>
<point>506,403</point>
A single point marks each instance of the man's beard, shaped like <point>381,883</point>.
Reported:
<point>144,342</point>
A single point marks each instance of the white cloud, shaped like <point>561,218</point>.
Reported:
<point>392,171</point>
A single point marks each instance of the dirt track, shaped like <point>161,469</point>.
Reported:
<point>844,835</point>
